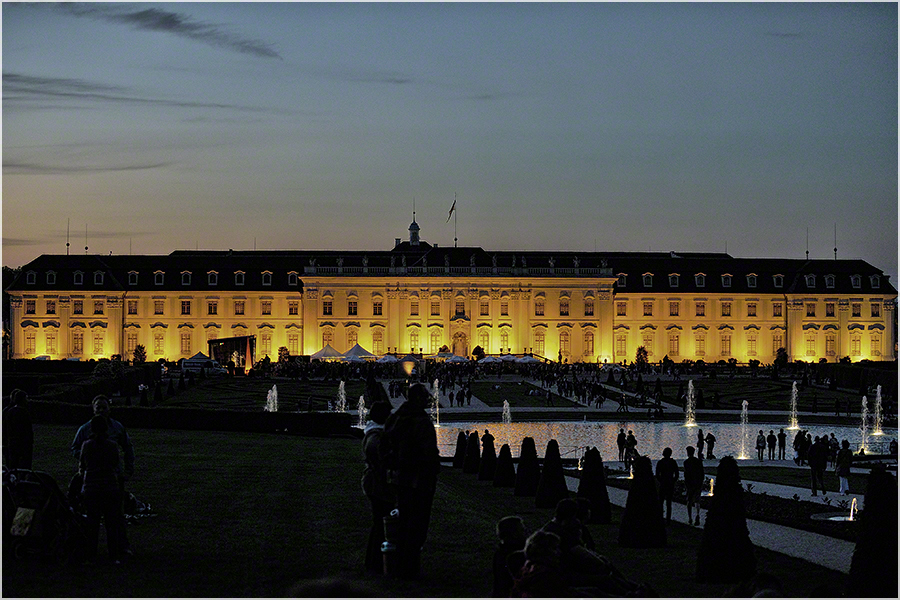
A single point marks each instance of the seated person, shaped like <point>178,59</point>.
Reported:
<point>511,531</point>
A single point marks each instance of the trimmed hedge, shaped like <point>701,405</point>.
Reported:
<point>141,417</point>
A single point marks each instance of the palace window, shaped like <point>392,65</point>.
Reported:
<point>777,309</point>
<point>726,281</point>
<point>726,344</point>
<point>265,307</point>
<point>810,309</point>
<point>777,342</point>
<point>377,308</point>
<point>132,278</point>
<point>811,345</point>
<point>77,307</point>
<point>292,278</point>
<point>294,307</point>
<point>751,281</point>
<point>159,278</point>
<point>621,282</point>
<point>726,309</point>
<point>621,309</point>
<point>648,280</point>
<point>185,342</point>
<point>673,281</point>
<point>238,307</point>
<point>751,309</point>
<point>132,307</point>
<point>751,345</point>
<point>265,343</point>
<point>539,307</point>
<point>212,307</point>
<point>674,344</point>
<point>648,309</point>
<point>875,281</point>
<point>504,308</point>
<point>855,345</point>
<point>647,342</point>
<point>414,308</point>
<point>829,309</point>
<point>589,343</point>
<point>589,308</point>
<point>352,337</point>
<point>856,281</point>
<point>856,309</point>
<point>98,277</point>
<point>30,307</point>
<point>564,345</point>
<point>378,341</point>
<point>504,340</point>
<point>185,307</point>
<point>875,342</point>
<point>98,307</point>
<point>810,280</point>
<point>159,307</point>
<point>700,309</point>
<point>484,307</point>
<point>98,343</point>
<point>459,307</point>
<point>327,308</point>
<point>30,342</point>
<point>621,345</point>
<point>293,343</point>
<point>876,310</point>
<point>267,278</point>
<point>673,309</point>
<point>435,341</point>
<point>539,343</point>
<point>830,345</point>
<point>327,337</point>
<point>700,280</point>
<point>700,345</point>
<point>31,278</point>
<point>564,307</point>
<point>186,278</point>
<point>484,339</point>
<point>239,278</point>
<point>435,308</point>
<point>78,278</point>
<point>778,280</point>
<point>159,343</point>
<point>413,340</point>
<point>212,278</point>
<point>78,342</point>
<point>829,281</point>
<point>50,341</point>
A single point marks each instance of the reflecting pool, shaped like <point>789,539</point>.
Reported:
<point>652,437</point>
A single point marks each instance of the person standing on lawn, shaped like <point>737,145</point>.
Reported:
<point>98,464</point>
<point>771,440</point>
<point>818,461</point>
<point>620,442</point>
<point>667,475</point>
<point>710,444</point>
<point>842,466</point>
<point>374,483</point>
<point>413,461</point>
<point>18,432</point>
<point>760,445</point>
<point>782,443</point>
<point>693,482</point>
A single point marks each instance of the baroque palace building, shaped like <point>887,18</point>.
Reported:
<point>418,297</point>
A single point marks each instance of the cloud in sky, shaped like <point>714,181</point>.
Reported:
<point>156,19</point>
<point>34,168</point>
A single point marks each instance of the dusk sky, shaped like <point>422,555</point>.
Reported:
<point>570,127</point>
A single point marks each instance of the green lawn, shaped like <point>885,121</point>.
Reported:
<point>249,393</point>
<point>251,515</point>
<point>516,392</point>
<point>797,478</point>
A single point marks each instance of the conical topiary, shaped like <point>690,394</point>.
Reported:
<point>552,484</point>
<point>593,487</point>
<point>488,464</point>
<point>505,473</point>
<point>157,395</point>
<point>170,391</point>
<point>726,553</point>
<point>460,457</point>
<point>875,556</point>
<point>529,472</point>
<point>181,384</point>
<point>642,524</point>
<point>473,454</point>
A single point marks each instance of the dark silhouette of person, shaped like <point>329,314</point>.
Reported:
<point>488,465</point>
<point>701,439</point>
<point>667,475</point>
<point>413,461</point>
<point>782,443</point>
<point>511,531</point>
<point>529,472</point>
<point>552,484</point>
<point>621,442</point>
<point>460,456</point>
<point>18,432</point>
<point>374,482</point>
<point>771,441</point>
<point>642,523</point>
<point>873,568</point>
<point>592,486</point>
<point>710,444</point>
<point>818,462</point>
<point>726,554</point>
<point>98,463</point>
<point>473,454</point>
<point>693,483</point>
<point>505,473</point>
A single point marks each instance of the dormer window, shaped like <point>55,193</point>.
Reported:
<point>751,280</point>
<point>726,281</point>
<point>778,280</point>
<point>856,281</point>
<point>292,278</point>
<point>98,277</point>
<point>51,278</point>
<point>810,281</point>
<point>622,278</point>
<point>875,280</point>
<point>78,278</point>
<point>700,280</point>
<point>238,278</point>
<point>212,278</point>
<point>132,277</point>
<point>159,277</point>
<point>673,280</point>
<point>31,278</point>
<point>267,278</point>
<point>829,281</point>
<point>185,278</point>
<point>648,280</point>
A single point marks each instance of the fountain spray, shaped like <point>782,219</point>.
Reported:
<point>689,419</point>
<point>362,410</point>
<point>744,406</point>
<point>794,424</point>
<point>864,424</point>
<point>878,416</point>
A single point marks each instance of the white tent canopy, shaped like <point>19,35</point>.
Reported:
<point>359,352</point>
<point>490,359</point>
<point>326,353</point>
<point>387,358</point>
<point>457,359</point>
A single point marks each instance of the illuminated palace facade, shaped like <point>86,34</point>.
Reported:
<point>418,297</point>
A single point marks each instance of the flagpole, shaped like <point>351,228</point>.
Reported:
<point>454,220</point>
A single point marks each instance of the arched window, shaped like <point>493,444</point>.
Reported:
<point>484,339</point>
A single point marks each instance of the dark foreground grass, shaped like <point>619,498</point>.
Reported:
<point>253,515</point>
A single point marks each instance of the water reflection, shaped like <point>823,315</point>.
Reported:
<point>651,437</point>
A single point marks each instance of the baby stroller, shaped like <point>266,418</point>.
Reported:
<point>37,518</point>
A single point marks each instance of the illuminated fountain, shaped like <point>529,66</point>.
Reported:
<point>436,404</point>
<point>507,417</point>
<point>744,406</point>
<point>363,412</point>
<point>341,405</point>
<point>712,483</point>
<point>852,516</point>
<point>878,416</point>
<point>838,516</point>
<point>689,419</point>
<point>864,424</point>
<point>272,400</point>
<point>795,425</point>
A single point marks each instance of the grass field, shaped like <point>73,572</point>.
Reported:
<point>253,515</point>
